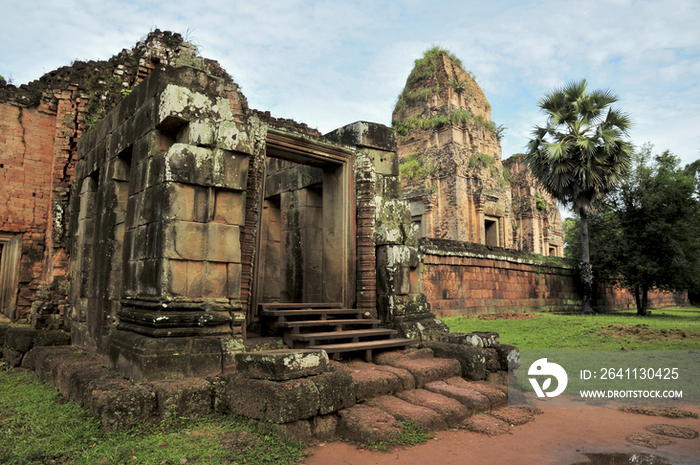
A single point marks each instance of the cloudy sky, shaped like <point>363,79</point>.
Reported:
<point>329,63</point>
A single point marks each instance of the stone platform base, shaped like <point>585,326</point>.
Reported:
<point>358,400</point>
<point>143,358</point>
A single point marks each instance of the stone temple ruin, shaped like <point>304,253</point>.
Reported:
<point>453,176</point>
<point>149,212</point>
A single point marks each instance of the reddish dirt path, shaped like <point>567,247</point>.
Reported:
<point>559,436</point>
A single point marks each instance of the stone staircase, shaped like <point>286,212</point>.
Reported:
<point>330,327</point>
<point>414,385</point>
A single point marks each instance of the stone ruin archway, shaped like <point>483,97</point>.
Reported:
<point>305,248</point>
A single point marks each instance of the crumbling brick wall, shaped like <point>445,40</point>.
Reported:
<point>40,124</point>
<point>461,278</point>
<point>26,180</point>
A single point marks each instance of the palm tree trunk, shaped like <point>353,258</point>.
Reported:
<point>585,269</point>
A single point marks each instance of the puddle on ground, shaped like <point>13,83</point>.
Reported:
<point>623,459</point>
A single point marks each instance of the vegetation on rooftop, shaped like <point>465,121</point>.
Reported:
<point>424,82</point>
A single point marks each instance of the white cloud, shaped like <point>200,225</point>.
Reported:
<point>329,63</point>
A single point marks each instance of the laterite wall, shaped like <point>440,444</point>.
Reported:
<point>462,278</point>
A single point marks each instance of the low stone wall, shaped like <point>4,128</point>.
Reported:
<point>614,298</point>
<point>461,278</point>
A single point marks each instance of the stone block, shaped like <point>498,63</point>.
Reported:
<point>185,240</point>
<point>386,163</point>
<point>365,134</point>
<point>236,137</point>
<point>424,417</point>
<point>335,391</point>
<point>473,400</point>
<point>391,218</point>
<point>218,384</point>
<point>282,364</point>
<point>323,427</point>
<point>234,280</point>
<point>139,177</point>
<point>52,338</point>
<point>223,243</point>
<point>120,405</point>
<point>230,170</point>
<point>12,357</point>
<point>278,402</point>
<point>201,133</point>
<point>396,307</point>
<point>475,362</point>
<point>183,397</point>
<point>143,358</point>
<point>388,186</point>
<point>143,120</point>
<point>203,204</point>
<point>496,394</point>
<point>363,424</point>
<point>195,279</point>
<point>189,164</point>
<point>178,202</point>
<point>508,356</point>
<point>393,272</point>
<point>230,207</point>
<point>451,409</point>
<point>297,431</point>
<point>20,339</point>
<point>215,280</point>
<point>465,339</point>
<point>181,104</point>
<point>371,380</point>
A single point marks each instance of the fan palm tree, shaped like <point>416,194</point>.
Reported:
<point>581,155</point>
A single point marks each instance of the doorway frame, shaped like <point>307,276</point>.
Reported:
<point>339,210</point>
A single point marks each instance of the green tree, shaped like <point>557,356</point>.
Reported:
<point>580,155</point>
<point>648,230</point>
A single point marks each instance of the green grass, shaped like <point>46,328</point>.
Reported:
<point>412,435</point>
<point>663,330</point>
<point>37,428</point>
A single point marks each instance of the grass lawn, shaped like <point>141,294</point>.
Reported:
<point>665,329</point>
<point>36,428</point>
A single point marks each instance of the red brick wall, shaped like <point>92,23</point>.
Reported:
<point>460,285</point>
<point>27,159</point>
<point>613,298</point>
<point>460,278</point>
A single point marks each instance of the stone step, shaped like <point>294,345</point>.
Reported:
<point>296,305</point>
<point>453,411</point>
<point>421,364</point>
<point>313,313</point>
<point>341,324</point>
<point>366,346</point>
<point>355,335</point>
<point>428,419</point>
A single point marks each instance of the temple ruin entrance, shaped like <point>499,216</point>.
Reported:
<point>305,252</point>
<point>491,228</point>
<point>10,256</point>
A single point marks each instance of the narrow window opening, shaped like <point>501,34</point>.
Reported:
<point>491,230</point>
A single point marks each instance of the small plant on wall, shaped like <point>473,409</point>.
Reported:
<point>540,203</point>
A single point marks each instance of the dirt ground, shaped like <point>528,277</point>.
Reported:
<point>561,436</point>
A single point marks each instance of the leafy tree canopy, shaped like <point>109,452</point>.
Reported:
<point>648,230</point>
<point>581,153</point>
